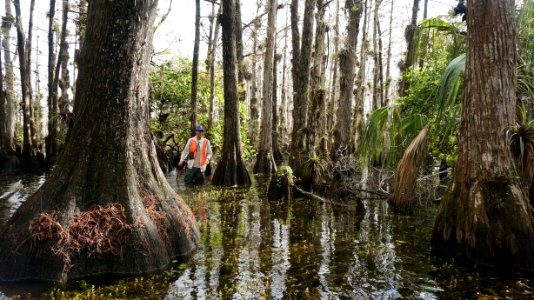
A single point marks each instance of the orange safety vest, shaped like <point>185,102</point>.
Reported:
<point>193,148</point>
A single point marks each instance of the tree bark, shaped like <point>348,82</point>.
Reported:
<point>108,173</point>
<point>7,23</point>
<point>409,35</point>
<point>4,141</point>
<point>239,50</point>
<point>214,38</point>
<point>333,84</point>
<point>378,69</point>
<point>63,61</point>
<point>80,31</point>
<point>53,129</point>
<point>362,78</point>
<point>347,64</point>
<point>387,84</point>
<point>265,163</point>
<point>254,109</point>
<point>485,215</point>
<point>24,51</point>
<point>194,72</point>
<point>283,130</point>
<point>231,170</point>
<point>277,154</point>
<point>302,54</point>
<point>317,81</point>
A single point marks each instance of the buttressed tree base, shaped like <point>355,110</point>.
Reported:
<point>106,208</point>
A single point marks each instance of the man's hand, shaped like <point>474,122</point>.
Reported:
<point>180,163</point>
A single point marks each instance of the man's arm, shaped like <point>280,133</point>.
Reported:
<point>185,152</point>
<point>208,151</point>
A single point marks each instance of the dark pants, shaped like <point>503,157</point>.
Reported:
<point>194,176</point>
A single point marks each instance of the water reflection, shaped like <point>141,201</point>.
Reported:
<point>327,238</point>
<point>252,248</point>
<point>14,189</point>
<point>280,255</point>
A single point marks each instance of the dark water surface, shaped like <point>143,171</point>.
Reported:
<point>252,248</point>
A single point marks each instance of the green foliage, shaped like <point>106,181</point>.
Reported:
<point>433,97</point>
<point>316,168</point>
<point>285,173</point>
<point>438,39</point>
<point>170,95</point>
<point>521,137</point>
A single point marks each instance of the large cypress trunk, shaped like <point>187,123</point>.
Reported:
<point>485,215</point>
<point>231,170</point>
<point>106,208</point>
<point>265,160</point>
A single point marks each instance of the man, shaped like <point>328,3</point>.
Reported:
<point>198,153</point>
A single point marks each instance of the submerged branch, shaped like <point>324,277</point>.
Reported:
<point>321,199</point>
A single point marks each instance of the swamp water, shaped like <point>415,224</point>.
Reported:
<point>252,248</point>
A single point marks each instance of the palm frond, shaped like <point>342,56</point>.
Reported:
<point>406,177</point>
<point>381,123</point>
<point>449,86</point>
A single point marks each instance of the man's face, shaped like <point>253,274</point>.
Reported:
<point>198,134</point>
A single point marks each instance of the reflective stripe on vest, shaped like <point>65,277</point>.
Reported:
<point>193,148</point>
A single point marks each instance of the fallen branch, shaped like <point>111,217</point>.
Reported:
<point>378,193</point>
<point>321,199</point>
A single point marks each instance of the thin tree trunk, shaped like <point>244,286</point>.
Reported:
<point>231,170</point>
<point>265,163</point>
<point>80,31</point>
<point>283,131</point>
<point>333,85</point>
<point>362,78</point>
<point>409,35</point>
<point>107,180</point>
<point>7,23</point>
<point>51,140</point>
<point>302,54</point>
<point>194,72</point>
<point>211,62</point>
<point>485,215</point>
<point>4,141</point>
<point>254,109</point>
<point>427,35</point>
<point>63,61</point>
<point>277,154</point>
<point>53,113</point>
<point>317,82</point>
<point>239,50</point>
<point>347,63</point>
<point>378,70</point>
<point>388,63</point>
<point>24,50</point>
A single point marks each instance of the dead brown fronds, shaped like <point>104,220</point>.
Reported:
<point>100,230</point>
<point>407,170</point>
